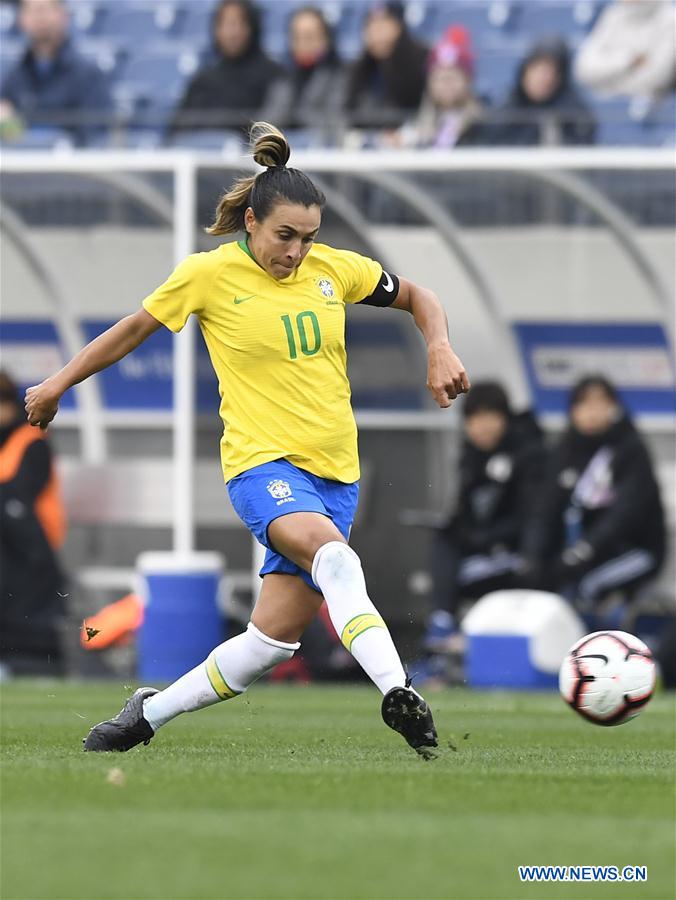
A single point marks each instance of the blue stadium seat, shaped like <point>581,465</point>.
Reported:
<point>195,23</point>
<point>218,139</point>
<point>12,49</point>
<point>13,43</point>
<point>156,77</point>
<point>8,21</point>
<point>87,18</point>
<point>625,122</point>
<point>496,74</point>
<point>274,29</point>
<point>486,19</point>
<point>109,55</point>
<point>474,17</point>
<point>143,138</point>
<point>571,19</point>
<point>152,84</point>
<point>334,11</point>
<point>139,21</point>
<point>348,30</point>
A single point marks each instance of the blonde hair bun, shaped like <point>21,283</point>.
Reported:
<point>269,146</point>
<point>260,192</point>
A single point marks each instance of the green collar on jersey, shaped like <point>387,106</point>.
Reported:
<point>245,246</point>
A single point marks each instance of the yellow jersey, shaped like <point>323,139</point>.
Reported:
<point>278,350</point>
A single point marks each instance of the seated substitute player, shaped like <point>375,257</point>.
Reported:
<point>272,312</point>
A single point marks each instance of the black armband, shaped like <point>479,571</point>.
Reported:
<point>385,293</point>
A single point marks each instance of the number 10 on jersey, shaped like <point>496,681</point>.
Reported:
<point>308,347</point>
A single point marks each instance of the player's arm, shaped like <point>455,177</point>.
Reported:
<point>42,401</point>
<point>446,375</point>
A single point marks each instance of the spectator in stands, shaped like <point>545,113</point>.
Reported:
<point>450,114</point>
<point>229,93</point>
<point>386,83</point>
<point>52,85</point>
<point>32,528</point>
<point>631,50</point>
<point>501,466</point>
<point>313,93</point>
<point>599,524</point>
<point>544,107</point>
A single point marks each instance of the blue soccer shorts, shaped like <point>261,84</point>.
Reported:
<point>278,488</point>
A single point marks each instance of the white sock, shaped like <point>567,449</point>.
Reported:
<point>337,571</point>
<point>228,671</point>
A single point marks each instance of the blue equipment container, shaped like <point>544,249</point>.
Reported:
<point>502,660</point>
<point>518,639</point>
<point>182,623</point>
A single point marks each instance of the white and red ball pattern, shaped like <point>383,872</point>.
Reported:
<point>607,677</point>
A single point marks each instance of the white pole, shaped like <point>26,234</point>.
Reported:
<point>184,367</point>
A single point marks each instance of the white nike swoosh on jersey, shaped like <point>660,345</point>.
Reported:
<point>389,284</point>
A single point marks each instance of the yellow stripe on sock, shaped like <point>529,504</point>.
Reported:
<point>218,683</point>
<point>358,625</point>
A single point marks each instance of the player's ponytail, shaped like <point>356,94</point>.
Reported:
<point>268,145</point>
<point>261,192</point>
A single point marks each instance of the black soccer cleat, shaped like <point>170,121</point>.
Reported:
<point>126,730</point>
<point>405,711</point>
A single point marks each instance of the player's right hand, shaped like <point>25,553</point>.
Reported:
<point>41,404</point>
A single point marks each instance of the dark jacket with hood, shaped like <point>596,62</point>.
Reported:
<point>497,489</point>
<point>384,93</point>
<point>31,528</point>
<point>563,118</point>
<point>230,91</point>
<point>70,92</point>
<point>608,480</point>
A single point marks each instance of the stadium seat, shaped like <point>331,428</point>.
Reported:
<point>87,18</point>
<point>495,75</point>
<point>571,19</point>
<point>137,21</point>
<point>421,18</point>
<point>333,12</point>
<point>348,30</point>
<point>490,22</point>
<point>7,21</point>
<point>625,122</point>
<point>195,22</point>
<point>109,55</point>
<point>12,48</point>
<point>218,139</point>
<point>273,33</point>
<point>142,138</point>
<point>158,76</point>
<point>473,16</point>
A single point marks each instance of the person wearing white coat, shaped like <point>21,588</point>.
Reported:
<point>631,51</point>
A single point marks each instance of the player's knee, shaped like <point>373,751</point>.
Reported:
<point>336,561</point>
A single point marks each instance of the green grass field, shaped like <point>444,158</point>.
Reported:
<point>293,792</point>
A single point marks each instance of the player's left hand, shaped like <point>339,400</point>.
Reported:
<point>446,375</point>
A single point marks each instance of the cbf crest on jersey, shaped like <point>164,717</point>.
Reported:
<point>279,489</point>
<point>325,286</point>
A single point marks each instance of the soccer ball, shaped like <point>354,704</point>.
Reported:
<point>607,677</point>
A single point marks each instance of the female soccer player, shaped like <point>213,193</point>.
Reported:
<point>272,311</point>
